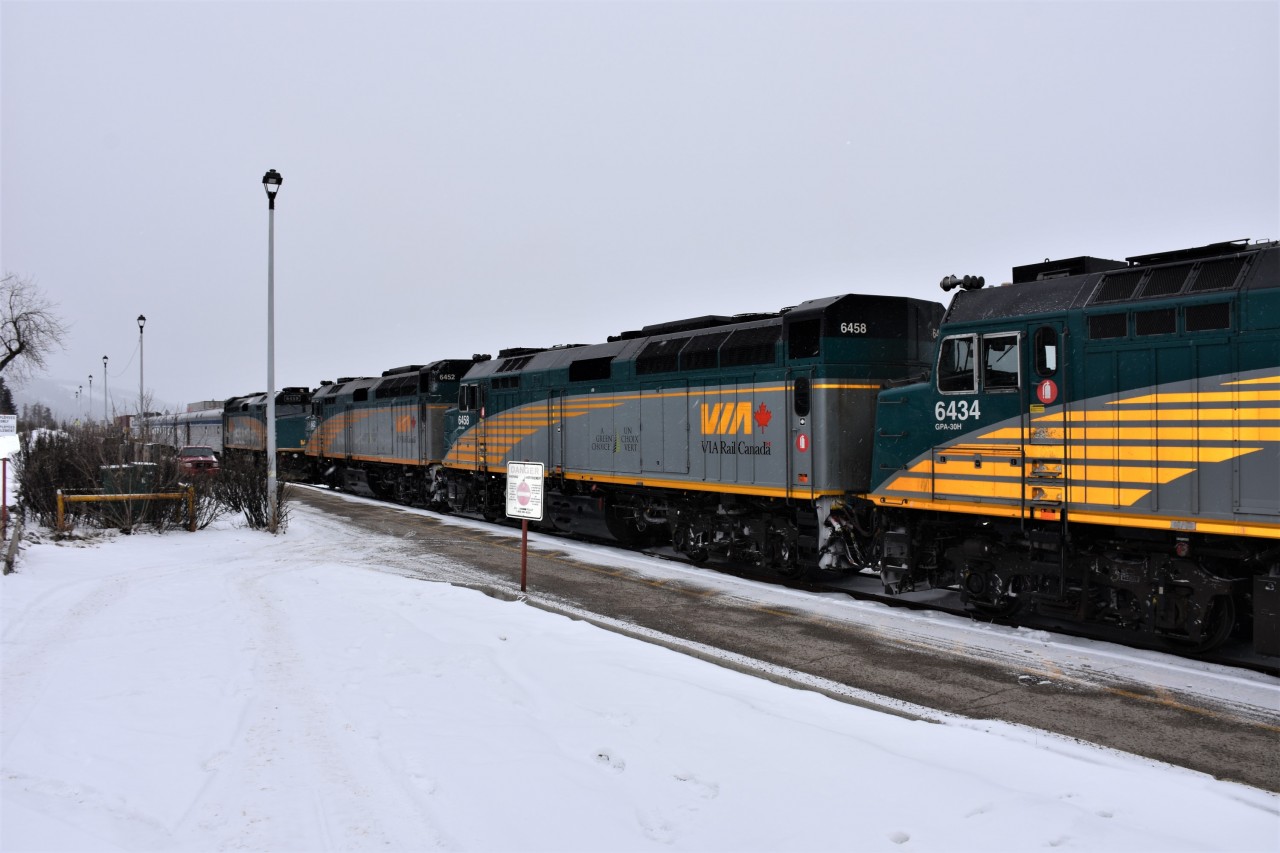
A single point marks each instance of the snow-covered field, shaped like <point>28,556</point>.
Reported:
<point>230,690</point>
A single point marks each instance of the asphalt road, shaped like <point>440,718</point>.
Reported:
<point>1186,729</point>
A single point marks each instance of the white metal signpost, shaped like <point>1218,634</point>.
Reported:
<point>8,426</point>
<point>524,501</point>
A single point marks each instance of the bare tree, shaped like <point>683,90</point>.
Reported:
<point>29,329</point>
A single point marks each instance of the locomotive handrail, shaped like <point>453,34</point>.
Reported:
<point>907,380</point>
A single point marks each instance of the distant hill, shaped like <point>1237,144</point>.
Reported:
<point>60,397</point>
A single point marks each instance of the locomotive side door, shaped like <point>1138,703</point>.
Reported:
<point>348,416</point>
<point>800,432</point>
<point>555,429</point>
<point>1045,426</point>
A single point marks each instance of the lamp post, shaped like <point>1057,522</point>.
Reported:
<point>271,182</point>
<point>105,393</point>
<point>142,321</point>
<point>90,398</point>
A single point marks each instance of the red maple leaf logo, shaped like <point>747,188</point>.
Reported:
<point>763,416</point>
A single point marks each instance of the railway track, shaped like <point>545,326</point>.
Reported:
<point>867,587</point>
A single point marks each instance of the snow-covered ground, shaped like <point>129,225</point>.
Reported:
<point>230,690</point>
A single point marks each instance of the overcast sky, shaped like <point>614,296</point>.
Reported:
<point>464,177</point>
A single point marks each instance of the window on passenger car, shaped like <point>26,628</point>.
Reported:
<point>957,369</point>
<point>999,362</point>
<point>1046,346</point>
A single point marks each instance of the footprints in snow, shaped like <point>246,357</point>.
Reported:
<point>615,764</point>
<point>704,790</point>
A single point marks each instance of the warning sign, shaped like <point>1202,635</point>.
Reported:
<point>524,490</point>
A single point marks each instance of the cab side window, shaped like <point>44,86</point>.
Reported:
<point>468,398</point>
<point>1046,346</point>
<point>957,366</point>
<point>1000,362</point>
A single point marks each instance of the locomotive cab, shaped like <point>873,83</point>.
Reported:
<point>1095,442</point>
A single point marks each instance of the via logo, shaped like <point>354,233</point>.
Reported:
<point>733,418</point>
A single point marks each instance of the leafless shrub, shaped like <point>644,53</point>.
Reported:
<point>241,486</point>
<point>98,460</point>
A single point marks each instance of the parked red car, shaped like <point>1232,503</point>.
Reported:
<point>197,459</point>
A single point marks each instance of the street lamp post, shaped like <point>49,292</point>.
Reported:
<point>106,420</point>
<point>142,321</point>
<point>90,398</point>
<point>271,182</point>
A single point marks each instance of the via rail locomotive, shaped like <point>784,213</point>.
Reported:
<point>1097,440</point>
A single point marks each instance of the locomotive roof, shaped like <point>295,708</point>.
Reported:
<point>1075,283</point>
<point>630,346</point>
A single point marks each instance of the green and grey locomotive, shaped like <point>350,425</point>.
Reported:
<point>1098,441</point>
<point>735,436</point>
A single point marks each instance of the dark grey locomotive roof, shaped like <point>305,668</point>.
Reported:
<point>1054,286</point>
<point>1018,300</point>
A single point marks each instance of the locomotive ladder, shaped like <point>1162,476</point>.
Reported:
<point>1045,484</point>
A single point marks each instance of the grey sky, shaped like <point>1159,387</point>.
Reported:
<point>463,177</point>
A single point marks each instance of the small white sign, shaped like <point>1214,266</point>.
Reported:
<point>524,490</point>
<point>8,424</point>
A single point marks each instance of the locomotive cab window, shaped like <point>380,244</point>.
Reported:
<point>957,367</point>
<point>468,398</point>
<point>1000,362</point>
<point>1046,346</point>
<point>804,338</point>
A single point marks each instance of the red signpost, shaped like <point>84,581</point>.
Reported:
<point>524,501</point>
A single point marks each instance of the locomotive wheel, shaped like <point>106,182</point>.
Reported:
<point>1218,624</point>
<point>682,541</point>
<point>786,559</point>
<point>984,594</point>
<point>626,530</point>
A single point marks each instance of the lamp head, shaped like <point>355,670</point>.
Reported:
<point>271,182</point>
